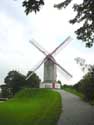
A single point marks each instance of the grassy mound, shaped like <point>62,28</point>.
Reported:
<point>31,107</point>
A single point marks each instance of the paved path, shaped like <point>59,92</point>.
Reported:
<point>75,111</point>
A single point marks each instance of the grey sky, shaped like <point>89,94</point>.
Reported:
<point>49,27</point>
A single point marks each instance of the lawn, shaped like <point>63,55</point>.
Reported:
<point>31,107</point>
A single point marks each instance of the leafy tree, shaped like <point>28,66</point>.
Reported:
<point>77,86</point>
<point>59,82</point>
<point>14,81</point>
<point>86,85</point>
<point>32,5</point>
<point>84,66</point>
<point>85,14</point>
<point>4,91</point>
<point>33,81</point>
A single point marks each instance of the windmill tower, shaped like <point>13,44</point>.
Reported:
<point>50,70</point>
<point>50,66</point>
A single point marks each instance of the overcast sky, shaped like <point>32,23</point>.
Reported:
<point>49,28</point>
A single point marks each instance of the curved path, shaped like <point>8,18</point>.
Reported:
<point>75,111</point>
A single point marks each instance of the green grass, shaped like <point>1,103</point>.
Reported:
<point>74,91</point>
<point>31,107</point>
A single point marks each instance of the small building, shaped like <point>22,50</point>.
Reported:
<point>50,85</point>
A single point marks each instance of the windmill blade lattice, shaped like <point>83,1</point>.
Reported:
<point>37,67</point>
<point>50,63</point>
<point>41,49</point>
<point>62,45</point>
<point>65,72</point>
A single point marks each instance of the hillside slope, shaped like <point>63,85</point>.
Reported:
<point>31,107</point>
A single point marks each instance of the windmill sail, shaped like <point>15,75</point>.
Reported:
<point>50,63</point>
<point>62,45</point>
<point>41,49</point>
<point>43,61</point>
<point>65,72</point>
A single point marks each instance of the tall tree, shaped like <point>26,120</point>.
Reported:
<point>32,5</point>
<point>14,81</point>
<point>85,14</point>
<point>86,85</point>
<point>33,81</point>
<point>5,93</point>
<point>84,65</point>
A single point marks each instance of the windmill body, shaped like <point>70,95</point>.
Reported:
<point>49,70</point>
<point>50,66</point>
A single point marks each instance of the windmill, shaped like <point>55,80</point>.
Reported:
<point>50,65</point>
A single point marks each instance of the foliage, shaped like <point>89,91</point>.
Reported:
<point>86,85</point>
<point>84,66</point>
<point>59,82</point>
<point>32,5</point>
<point>77,86</point>
<point>14,81</point>
<point>33,81</point>
<point>27,108</point>
<point>82,63</point>
<point>85,14</point>
<point>4,91</point>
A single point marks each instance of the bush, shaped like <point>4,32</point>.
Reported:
<point>86,86</point>
<point>87,89</point>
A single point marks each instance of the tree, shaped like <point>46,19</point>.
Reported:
<point>77,86</point>
<point>32,5</point>
<point>84,65</point>
<point>59,82</point>
<point>5,93</point>
<point>85,14</point>
<point>33,81</point>
<point>14,81</point>
<point>86,85</point>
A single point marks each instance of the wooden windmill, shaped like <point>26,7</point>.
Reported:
<point>50,65</point>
